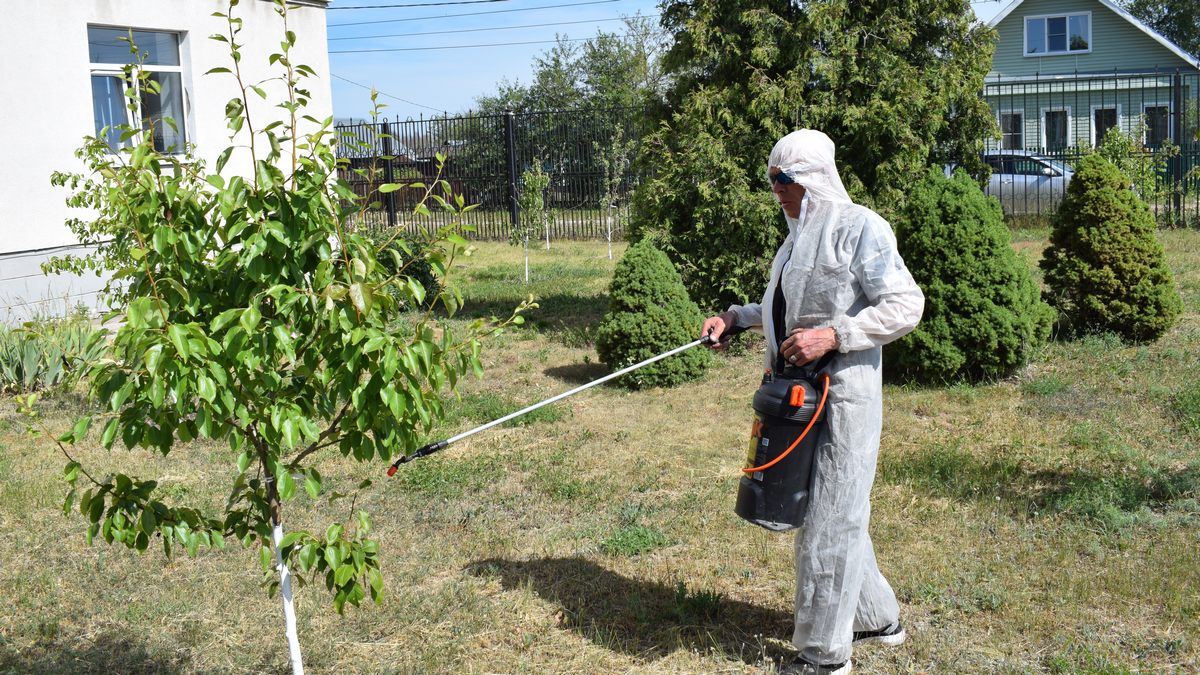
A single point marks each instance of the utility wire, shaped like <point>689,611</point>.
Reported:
<point>476,30</point>
<point>422,4</point>
<point>384,93</point>
<point>451,16</point>
<point>494,44</point>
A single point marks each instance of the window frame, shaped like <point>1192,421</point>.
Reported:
<point>1092,120</point>
<point>118,70</point>
<point>1065,109</point>
<point>1146,124</point>
<point>1046,35</point>
<point>1000,123</point>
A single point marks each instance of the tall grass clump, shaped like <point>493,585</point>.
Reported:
<point>46,353</point>
<point>1105,268</point>
<point>649,313</point>
<point>983,312</point>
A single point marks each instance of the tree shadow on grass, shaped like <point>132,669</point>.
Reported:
<point>1110,497</point>
<point>559,313</point>
<point>106,653</point>
<point>642,618</point>
<point>577,373</point>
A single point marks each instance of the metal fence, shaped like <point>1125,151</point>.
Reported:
<point>1048,123</point>
<point>484,159</point>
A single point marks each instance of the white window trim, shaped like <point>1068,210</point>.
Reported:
<point>1146,127</point>
<point>118,69</point>
<point>1043,17</point>
<point>1070,123</point>
<point>1092,119</point>
<point>1000,123</point>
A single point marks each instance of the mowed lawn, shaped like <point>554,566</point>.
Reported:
<point>1046,523</point>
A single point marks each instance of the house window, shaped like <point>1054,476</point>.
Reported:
<point>1011,127</point>
<point>1063,34</point>
<point>1103,119</point>
<point>1157,126</point>
<point>1056,128</point>
<point>160,112</point>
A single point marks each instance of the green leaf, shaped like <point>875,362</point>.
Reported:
<point>148,521</point>
<point>223,158</point>
<point>179,337</point>
<point>312,484</point>
<point>110,433</point>
<point>343,574</point>
<point>291,538</point>
<point>250,318</point>
<point>358,297</point>
<point>223,319</point>
<point>332,558</point>
<point>376,578</point>
<point>243,461</point>
<point>390,187</point>
<point>333,533</point>
<point>286,486</point>
<point>206,388</point>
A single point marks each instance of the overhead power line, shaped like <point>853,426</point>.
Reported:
<point>494,44</point>
<point>451,16</point>
<point>421,4</point>
<point>384,93</point>
<point>476,30</point>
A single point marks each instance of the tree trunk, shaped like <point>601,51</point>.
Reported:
<point>285,581</point>
<point>608,227</point>
<point>546,226</point>
<point>527,258</point>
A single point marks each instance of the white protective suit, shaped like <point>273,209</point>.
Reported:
<point>839,267</point>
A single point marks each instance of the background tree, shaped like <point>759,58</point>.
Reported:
<point>1105,268</point>
<point>253,315</point>
<point>533,209</point>
<point>984,315</point>
<point>895,84</point>
<point>1176,20</point>
<point>649,313</point>
<point>615,158</point>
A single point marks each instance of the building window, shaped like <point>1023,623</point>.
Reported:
<point>1056,128</point>
<point>1103,119</point>
<point>1011,127</point>
<point>1064,34</point>
<point>160,112</point>
<point>1158,128</point>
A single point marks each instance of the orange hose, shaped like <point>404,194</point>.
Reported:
<point>820,408</point>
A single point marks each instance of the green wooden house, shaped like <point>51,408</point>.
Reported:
<point>1066,71</point>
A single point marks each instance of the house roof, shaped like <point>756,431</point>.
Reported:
<point>1124,15</point>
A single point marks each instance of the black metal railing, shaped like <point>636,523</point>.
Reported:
<point>1049,122</point>
<point>484,157</point>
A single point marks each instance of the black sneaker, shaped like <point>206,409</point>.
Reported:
<point>892,636</point>
<point>802,666</point>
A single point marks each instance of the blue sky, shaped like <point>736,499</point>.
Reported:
<point>415,80</point>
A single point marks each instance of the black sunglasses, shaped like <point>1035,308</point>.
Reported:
<point>782,178</point>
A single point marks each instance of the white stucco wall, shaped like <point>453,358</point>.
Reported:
<point>46,110</point>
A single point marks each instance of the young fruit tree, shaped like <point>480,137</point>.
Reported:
<point>532,203</point>
<point>255,314</point>
<point>615,159</point>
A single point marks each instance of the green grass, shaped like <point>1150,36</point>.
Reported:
<point>1047,523</point>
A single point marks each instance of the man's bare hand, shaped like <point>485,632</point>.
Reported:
<point>808,344</point>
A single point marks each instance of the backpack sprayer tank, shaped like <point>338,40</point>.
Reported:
<point>789,425</point>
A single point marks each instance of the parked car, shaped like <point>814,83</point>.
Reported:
<point>1025,183</point>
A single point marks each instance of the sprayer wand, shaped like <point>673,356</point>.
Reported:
<point>434,447</point>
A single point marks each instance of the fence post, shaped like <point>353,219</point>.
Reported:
<point>388,175</point>
<point>510,149</point>
<point>1177,160</point>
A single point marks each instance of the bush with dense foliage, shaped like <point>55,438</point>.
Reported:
<point>1105,268</point>
<point>983,310</point>
<point>406,257</point>
<point>894,84</point>
<point>649,312</point>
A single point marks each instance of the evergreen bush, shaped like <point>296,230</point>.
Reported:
<point>649,312</point>
<point>1105,268</point>
<point>401,253</point>
<point>983,310</point>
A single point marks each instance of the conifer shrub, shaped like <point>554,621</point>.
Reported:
<point>649,312</point>
<point>983,309</point>
<point>400,253</point>
<point>1105,269</point>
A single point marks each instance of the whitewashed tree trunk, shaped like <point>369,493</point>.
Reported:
<point>289,612</point>
<point>608,227</point>
<point>546,226</point>
<point>527,258</point>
